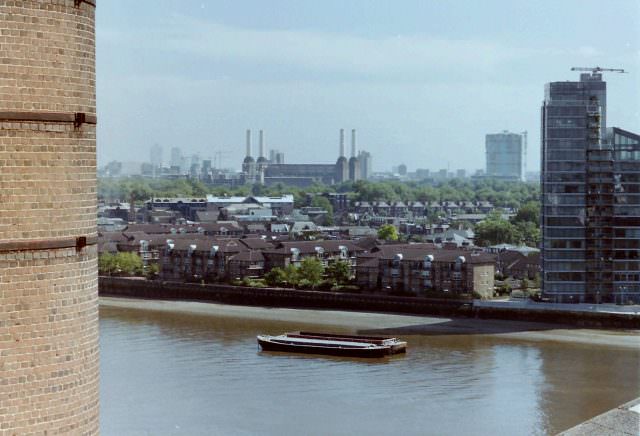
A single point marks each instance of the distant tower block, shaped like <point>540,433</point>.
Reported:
<point>48,252</point>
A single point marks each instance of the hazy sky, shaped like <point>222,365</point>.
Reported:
<point>421,80</point>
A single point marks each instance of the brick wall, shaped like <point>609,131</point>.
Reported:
<point>48,276</point>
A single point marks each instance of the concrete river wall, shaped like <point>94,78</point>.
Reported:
<point>294,298</point>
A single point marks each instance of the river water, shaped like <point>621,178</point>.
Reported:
<point>193,374</point>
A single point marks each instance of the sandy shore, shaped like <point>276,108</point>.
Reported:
<point>391,323</point>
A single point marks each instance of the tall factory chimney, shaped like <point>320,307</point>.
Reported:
<point>342,165</point>
<point>261,162</point>
<point>353,142</point>
<point>248,154</point>
<point>354,164</point>
<point>49,358</point>
<point>261,143</point>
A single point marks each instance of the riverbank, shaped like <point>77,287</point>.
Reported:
<point>623,420</point>
<point>306,299</point>
<point>401,325</point>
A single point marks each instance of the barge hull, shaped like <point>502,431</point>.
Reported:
<point>330,351</point>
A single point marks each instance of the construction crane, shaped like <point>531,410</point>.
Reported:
<point>594,70</point>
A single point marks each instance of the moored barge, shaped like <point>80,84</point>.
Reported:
<point>333,344</point>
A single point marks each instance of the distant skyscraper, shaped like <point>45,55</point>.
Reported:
<point>402,169</point>
<point>176,157</point>
<point>590,217</point>
<point>195,159</point>
<point>364,157</point>
<point>156,156</point>
<point>505,155</point>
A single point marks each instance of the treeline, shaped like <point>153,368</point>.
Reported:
<point>499,193</point>
<point>523,228</point>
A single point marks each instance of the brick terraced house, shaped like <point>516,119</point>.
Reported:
<point>424,269</point>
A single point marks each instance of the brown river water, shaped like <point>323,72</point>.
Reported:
<point>166,373</point>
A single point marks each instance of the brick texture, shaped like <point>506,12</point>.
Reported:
<point>48,298</point>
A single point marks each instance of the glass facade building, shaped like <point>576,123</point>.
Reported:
<point>505,156</point>
<point>588,178</point>
<point>625,147</point>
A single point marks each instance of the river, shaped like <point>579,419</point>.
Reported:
<point>199,373</point>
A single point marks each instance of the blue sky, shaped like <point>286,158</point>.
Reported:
<point>421,81</point>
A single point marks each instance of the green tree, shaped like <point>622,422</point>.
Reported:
<point>495,230</point>
<point>291,275</point>
<point>275,277</point>
<point>310,272</point>
<point>128,263</point>
<point>529,233</point>
<point>339,272</point>
<point>528,212</point>
<point>107,263</point>
<point>152,270</point>
<point>388,232</point>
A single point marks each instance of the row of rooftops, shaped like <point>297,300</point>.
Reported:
<point>415,204</point>
<point>366,248</point>
<point>288,198</point>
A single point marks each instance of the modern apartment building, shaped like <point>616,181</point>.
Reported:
<point>590,203</point>
<point>624,149</point>
<point>505,155</point>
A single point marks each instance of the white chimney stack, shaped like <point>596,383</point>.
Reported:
<point>353,142</point>
<point>248,142</point>
<point>341,142</point>
<point>261,143</point>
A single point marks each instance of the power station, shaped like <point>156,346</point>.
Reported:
<point>270,172</point>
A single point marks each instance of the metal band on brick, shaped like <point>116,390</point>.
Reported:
<point>48,244</point>
<point>77,118</point>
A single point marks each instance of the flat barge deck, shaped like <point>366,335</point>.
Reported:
<point>333,344</point>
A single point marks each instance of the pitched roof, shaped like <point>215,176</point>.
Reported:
<point>256,243</point>
<point>306,247</point>
<point>248,256</point>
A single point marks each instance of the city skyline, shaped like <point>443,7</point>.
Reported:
<point>197,75</point>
